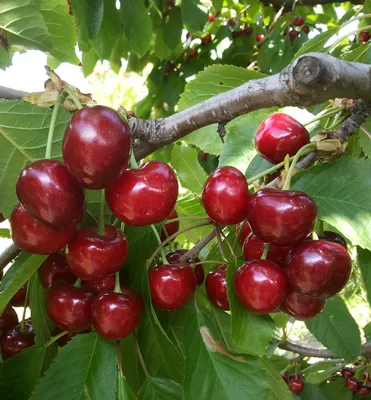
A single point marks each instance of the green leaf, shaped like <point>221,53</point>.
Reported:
<point>5,58</point>
<point>364,262</point>
<point>193,17</point>
<point>317,43</point>
<point>86,360</point>
<point>89,15</point>
<point>358,54</point>
<point>93,198</point>
<point>257,165</point>
<point>336,329</point>
<point>217,4</point>
<point>124,391</point>
<point>173,29</point>
<point>4,233</point>
<point>341,192</point>
<point>311,392</point>
<point>160,389</point>
<point>336,390</point>
<point>318,377</point>
<point>89,59</point>
<point>364,139</point>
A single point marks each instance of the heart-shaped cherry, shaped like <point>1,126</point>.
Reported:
<point>260,286</point>
<point>116,315</point>
<point>216,287</point>
<point>245,232</point>
<point>317,268</point>
<point>63,340</point>
<point>226,195</point>
<point>279,135</point>
<point>107,283</point>
<point>15,340</point>
<point>32,236</point>
<point>171,286</point>
<point>334,237</point>
<point>69,307</point>
<point>283,217</point>
<point>301,307</point>
<point>96,146</point>
<point>352,384</point>
<point>48,192</point>
<point>174,256</point>
<point>144,196</point>
<point>8,320</point>
<point>170,228</point>
<point>296,385</point>
<point>55,268</point>
<point>92,256</point>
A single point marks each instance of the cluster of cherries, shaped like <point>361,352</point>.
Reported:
<point>294,381</point>
<point>297,23</point>
<point>361,387</point>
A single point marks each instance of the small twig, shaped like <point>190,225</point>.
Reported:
<point>193,253</point>
<point>220,243</point>
<point>221,131</point>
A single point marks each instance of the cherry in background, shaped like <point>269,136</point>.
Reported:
<point>298,21</point>
<point>63,340</point>
<point>301,307</point>
<point>173,258</point>
<point>19,298</point>
<point>347,373</point>
<point>334,237</point>
<point>296,384</point>
<point>54,268</point>
<point>216,287</point>
<point>15,340</point>
<point>305,29</point>
<point>246,231</point>
<point>170,228</point>
<point>107,283</point>
<point>364,36</point>
<point>352,384</point>
<point>8,320</point>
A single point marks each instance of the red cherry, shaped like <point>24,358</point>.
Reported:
<point>15,340</point>
<point>296,385</point>
<point>247,31</point>
<point>279,135</point>
<point>334,237</point>
<point>216,287</point>
<point>259,37</point>
<point>69,307</point>
<point>170,228</point>
<point>168,68</point>
<point>92,256</point>
<point>188,35</point>
<point>116,315</point>
<point>171,3</point>
<point>8,320</point>
<point>364,36</point>
<point>144,196</point>
<point>364,390</point>
<point>283,217</point>
<point>32,236</point>
<point>301,307</point>
<point>347,373</point>
<point>96,146</point>
<point>226,196</point>
<point>253,249</point>
<point>246,231</point>
<point>319,269</point>
<point>54,268</point>
<point>48,192</point>
<point>352,384</point>
<point>204,156</point>
<point>171,286</point>
<point>107,283</point>
<point>305,29</point>
<point>366,377</point>
<point>173,258</point>
<point>63,340</point>
<point>19,298</point>
<point>230,21</point>
<point>293,35</point>
<point>237,34</point>
<point>206,39</point>
<point>298,21</point>
<point>211,18</point>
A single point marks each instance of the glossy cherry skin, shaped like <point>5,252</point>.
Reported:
<point>34,237</point>
<point>144,196</point>
<point>253,249</point>
<point>334,237</point>
<point>170,228</point>
<point>96,146</point>
<point>301,307</point>
<point>63,340</point>
<point>364,391</point>
<point>116,315</point>
<point>305,29</point>
<point>260,286</point>
<point>19,298</point>
<point>14,341</point>
<point>107,283</point>
<point>171,286</point>
<point>279,135</point>
<point>347,373</point>
<point>226,196</point>
<point>296,385</point>
<point>283,217</point>
<point>246,231</point>
<point>352,384</point>
<point>48,192</point>
<point>55,268</point>
<point>8,320</point>
<point>92,256</point>
<point>298,21</point>
<point>69,307</point>
<point>173,258</point>
<point>319,269</point>
<point>216,287</point>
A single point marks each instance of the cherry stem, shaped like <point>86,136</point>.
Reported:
<point>164,231</point>
<point>265,252</point>
<point>55,338</point>
<point>193,218</point>
<point>220,243</point>
<point>77,283</point>
<point>162,251</point>
<point>320,227</point>
<point>23,329</point>
<point>324,114</point>
<point>228,244</point>
<point>199,246</point>
<point>140,356</point>
<point>123,227</point>
<point>117,288</point>
<point>133,161</point>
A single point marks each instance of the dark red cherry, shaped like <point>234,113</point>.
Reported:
<point>352,384</point>
<point>55,268</point>
<point>364,390</point>
<point>18,299</point>
<point>15,340</point>
<point>334,237</point>
<point>305,29</point>
<point>49,193</point>
<point>347,373</point>
<point>32,236</point>
<point>8,320</point>
<point>298,21</point>
<point>246,231</point>
<point>253,249</point>
<point>144,196</point>
<point>301,307</point>
<point>170,228</point>
<point>96,146</point>
<point>366,377</point>
<point>92,256</point>
<point>364,36</point>
<point>317,268</point>
<point>226,196</point>
<point>283,217</point>
<point>173,258</point>
<point>260,286</point>
<point>171,286</point>
<point>107,283</point>
<point>296,385</point>
<point>63,340</point>
<point>69,307</point>
<point>279,135</point>
<point>293,35</point>
<point>116,315</point>
<point>216,287</point>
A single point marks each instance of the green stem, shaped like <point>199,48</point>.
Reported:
<point>314,235</point>
<point>324,114</point>
<point>192,218</point>
<point>228,244</point>
<point>363,28</point>
<point>140,356</point>
<point>337,121</point>
<point>117,288</point>
<point>115,222</point>
<point>240,229</point>
<point>25,306</point>
<point>164,231</point>
<point>320,227</point>
<point>265,252</point>
<point>123,227</point>
<point>55,338</point>
<point>209,262</point>
<point>220,243</point>
<point>162,251</point>
<point>101,228</point>
<point>133,161</point>
<point>75,99</point>
<point>77,283</point>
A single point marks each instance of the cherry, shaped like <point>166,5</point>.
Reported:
<point>216,287</point>
<point>173,258</point>
<point>168,68</point>
<point>206,39</point>
<point>283,217</point>
<point>230,21</point>
<point>279,135</point>
<point>171,286</point>
<point>364,390</point>
<point>286,377</point>
<point>15,340</point>
<point>352,384</point>
<point>96,146</point>
<point>211,18</point>
<point>63,340</point>
<point>253,249</point>
<point>298,21</point>
<point>296,385</point>
<point>116,315</point>
<point>246,231</point>
<point>226,196</point>
<point>19,298</point>
<point>54,268</point>
<point>8,320</point>
<point>366,377</point>
<point>305,29</point>
<point>144,196</point>
<point>69,307</point>
<point>259,37</point>
<point>107,283</point>
<point>32,236</point>
<point>171,3</point>
<point>48,192</point>
<point>237,34</point>
<point>293,35</point>
<point>301,307</point>
<point>248,31</point>
<point>92,256</point>
<point>347,373</point>
<point>334,237</point>
<point>170,228</point>
<point>204,156</point>
<point>319,269</point>
<point>364,36</point>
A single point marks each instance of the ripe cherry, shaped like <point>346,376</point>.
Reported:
<point>305,29</point>
<point>15,340</point>
<point>347,373</point>
<point>173,258</point>
<point>247,31</point>
<point>19,298</point>
<point>259,37</point>
<point>171,286</point>
<point>293,35</point>
<point>171,227</point>
<point>105,284</point>
<point>211,18</point>
<point>364,390</point>
<point>192,52</point>
<point>32,236</point>
<point>116,315</point>
<point>298,21</point>
<point>92,256</point>
<point>54,268</point>
<point>301,307</point>
<point>364,36</point>
<point>8,320</point>
<point>226,196</point>
<point>204,156</point>
<point>246,231</point>
<point>334,237</point>
<point>352,384</point>
<point>283,217</point>
<point>63,340</point>
<point>96,146</point>
<point>279,135</point>
<point>319,269</point>
<point>216,287</point>
<point>69,307</point>
<point>144,196</point>
<point>206,39</point>
<point>296,385</point>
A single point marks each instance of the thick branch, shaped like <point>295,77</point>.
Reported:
<point>11,94</point>
<point>8,255</point>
